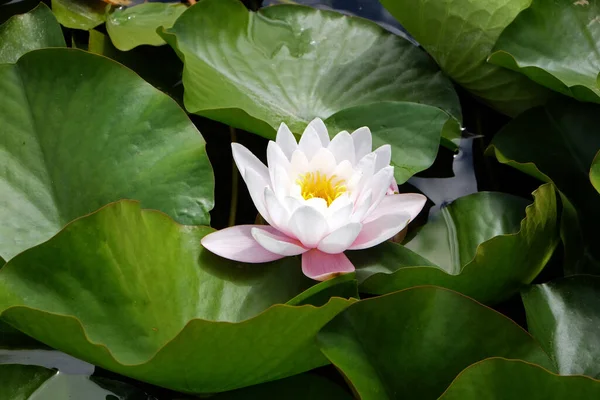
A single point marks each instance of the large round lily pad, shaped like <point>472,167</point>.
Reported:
<point>78,131</point>
<point>557,44</point>
<point>134,292</point>
<point>411,344</point>
<point>460,35</point>
<point>290,64</point>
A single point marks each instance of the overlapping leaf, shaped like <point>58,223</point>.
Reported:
<point>460,36</point>
<point>34,30</point>
<point>135,26</point>
<point>557,44</point>
<point>79,14</point>
<point>291,64</point>
<point>479,245</point>
<point>414,342</point>
<point>557,144</point>
<point>498,378</point>
<point>595,172</point>
<point>79,131</point>
<point>18,382</point>
<point>134,292</point>
<point>564,316</point>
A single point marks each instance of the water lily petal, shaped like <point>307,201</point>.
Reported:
<point>340,239</point>
<point>310,142</point>
<point>408,203</point>
<point>393,189</point>
<point>274,241</point>
<point>384,157</point>
<point>256,187</point>
<point>321,266</point>
<point>342,147</point>
<point>380,230</point>
<point>244,159</point>
<point>319,126</point>
<point>286,140</point>
<point>308,225</point>
<point>323,161</point>
<point>236,243</point>
<point>339,212</point>
<point>363,142</point>
<point>277,211</point>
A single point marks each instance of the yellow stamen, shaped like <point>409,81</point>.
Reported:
<point>315,184</point>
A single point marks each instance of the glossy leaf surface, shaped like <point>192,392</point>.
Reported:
<point>423,335</point>
<point>175,316</point>
<point>80,131</point>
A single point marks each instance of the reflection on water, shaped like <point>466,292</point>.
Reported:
<point>445,190</point>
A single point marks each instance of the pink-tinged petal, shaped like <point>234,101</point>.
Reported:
<point>244,159</point>
<point>308,225</point>
<point>384,157</point>
<point>340,239</point>
<point>310,142</point>
<point>342,147</point>
<point>236,243</point>
<point>380,230</point>
<point>363,142</point>
<point>393,189</point>
<point>322,266</point>
<point>256,187</point>
<point>276,242</point>
<point>319,126</point>
<point>405,203</point>
<point>286,140</point>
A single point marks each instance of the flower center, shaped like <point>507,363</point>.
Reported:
<point>315,184</point>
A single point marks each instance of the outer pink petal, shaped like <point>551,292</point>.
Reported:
<point>380,230</point>
<point>236,243</point>
<point>322,266</point>
<point>276,242</point>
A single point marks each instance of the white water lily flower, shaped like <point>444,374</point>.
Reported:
<point>320,198</point>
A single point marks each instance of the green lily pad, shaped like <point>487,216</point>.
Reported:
<point>412,130</point>
<point>79,14</point>
<point>18,382</point>
<point>34,30</point>
<point>564,316</point>
<point>557,144</point>
<point>81,131</point>
<point>298,387</point>
<point>175,315</point>
<point>414,342</point>
<point>485,245</point>
<point>595,172</point>
<point>557,44</point>
<point>460,36</point>
<point>289,63</point>
<point>134,26</point>
<point>498,378</point>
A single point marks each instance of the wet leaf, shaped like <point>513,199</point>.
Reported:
<point>291,64</point>
<point>79,14</point>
